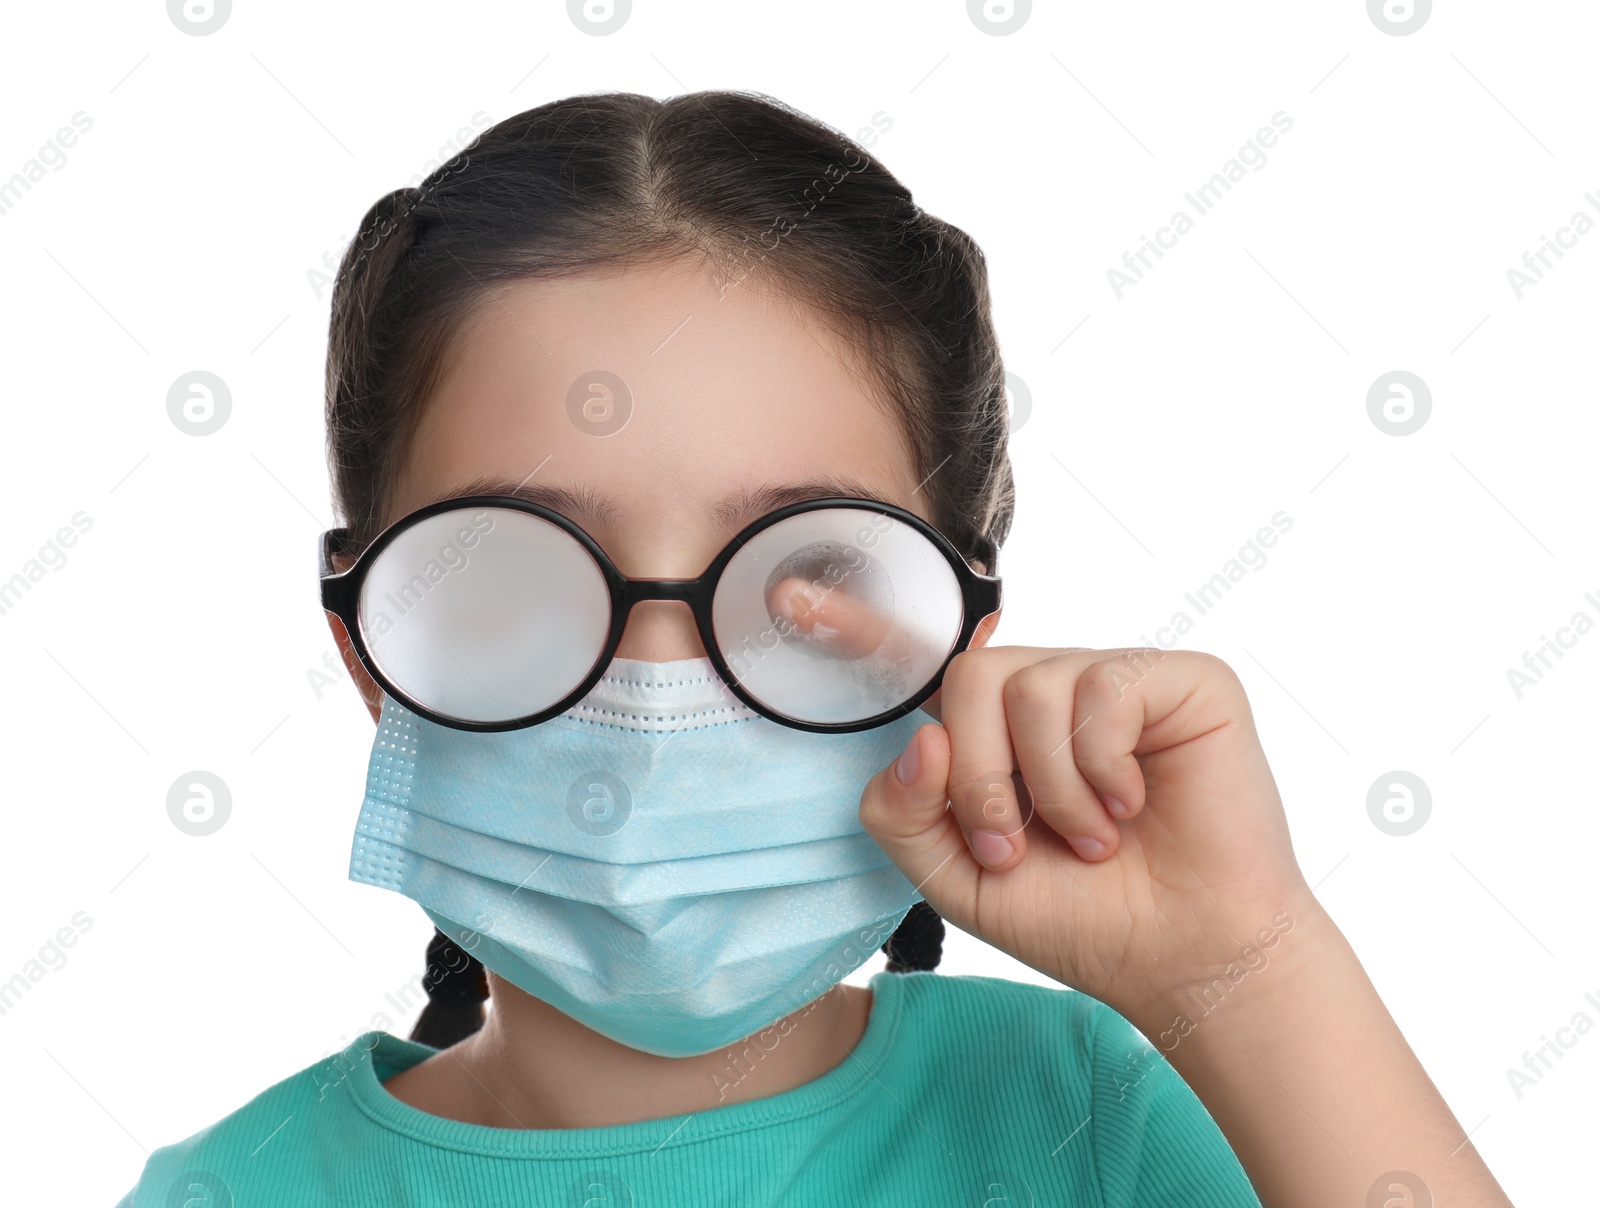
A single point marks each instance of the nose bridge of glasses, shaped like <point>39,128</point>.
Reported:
<point>635,591</point>
<point>659,633</point>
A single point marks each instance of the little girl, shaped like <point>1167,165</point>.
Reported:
<point>670,442</point>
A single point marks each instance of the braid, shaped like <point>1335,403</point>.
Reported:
<point>457,987</point>
<point>918,942</point>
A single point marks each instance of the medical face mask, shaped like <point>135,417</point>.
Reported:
<point>660,862</point>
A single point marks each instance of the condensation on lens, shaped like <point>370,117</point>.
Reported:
<point>825,567</point>
<point>485,614</point>
<point>836,614</point>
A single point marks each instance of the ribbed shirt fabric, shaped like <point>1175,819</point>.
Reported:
<point>963,1090</point>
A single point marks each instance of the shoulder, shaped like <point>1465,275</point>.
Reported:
<point>965,1005</point>
<point>1150,1140</point>
<point>1054,1029</point>
<point>1055,1023</point>
<point>269,1143</point>
<point>962,1035</point>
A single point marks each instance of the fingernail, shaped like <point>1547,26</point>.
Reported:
<point>990,847</point>
<point>1088,847</point>
<point>909,763</point>
<point>1116,805</point>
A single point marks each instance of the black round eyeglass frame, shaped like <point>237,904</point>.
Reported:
<point>341,594</point>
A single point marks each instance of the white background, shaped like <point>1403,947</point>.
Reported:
<point>1167,426</point>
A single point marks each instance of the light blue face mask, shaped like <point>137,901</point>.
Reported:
<point>659,862</point>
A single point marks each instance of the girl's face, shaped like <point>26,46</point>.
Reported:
<point>735,406</point>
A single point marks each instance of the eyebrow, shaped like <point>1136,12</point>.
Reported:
<point>737,508</point>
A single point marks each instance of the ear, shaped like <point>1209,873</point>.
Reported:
<point>371,694</point>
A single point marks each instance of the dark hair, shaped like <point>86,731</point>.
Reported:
<point>756,190</point>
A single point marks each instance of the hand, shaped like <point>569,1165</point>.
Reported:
<point>1147,846</point>
<point>1147,854</point>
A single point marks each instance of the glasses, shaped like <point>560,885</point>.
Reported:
<point>490,613</point>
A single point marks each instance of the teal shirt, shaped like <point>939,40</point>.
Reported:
<point>963,1090</point>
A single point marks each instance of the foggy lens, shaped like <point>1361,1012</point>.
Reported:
<point>837,614</point>
<point>485,614</point>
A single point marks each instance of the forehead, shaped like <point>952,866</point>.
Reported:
<point>655,394</point>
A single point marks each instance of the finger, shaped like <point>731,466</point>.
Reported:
<point>1125,705</point>
<point>905,810</point>
<point>1039,710</point>
<point>983,798</point>
<point>832,618</point>
<point>934,705</point>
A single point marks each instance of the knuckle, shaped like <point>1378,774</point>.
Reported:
<point>1216,670</point>
<point>966,780</point>
<point>1120,670</point>
<point>1103,675</point>
<point>1059,796</point>
<point>1210,663</point>
<point>1222,669</point>
<point>1097,763</point>
<point>873,810</point>
<point>989,799</point>
<point>1031,688</point>
<point>1068,811</point>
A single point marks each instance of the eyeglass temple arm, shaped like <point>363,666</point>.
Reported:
<point>987,596</point>
<point>331,581</point>
<point>329,543</point>
<point>989,584</point>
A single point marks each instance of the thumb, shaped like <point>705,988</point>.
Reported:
<point>905,808</point>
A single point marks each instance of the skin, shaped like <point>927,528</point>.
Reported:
<point>1139,853</point>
